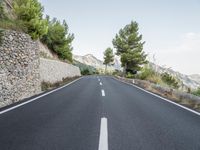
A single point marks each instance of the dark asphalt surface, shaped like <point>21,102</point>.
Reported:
<point>69,119</point>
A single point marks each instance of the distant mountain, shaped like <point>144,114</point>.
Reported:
<point>91,60</point>
<point>195,77</point>
<point>192,81</point>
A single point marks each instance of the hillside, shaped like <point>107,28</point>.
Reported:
<point>195,77</point>
<point>192,81</point>
<point>91,60</point>
<point>84,67</point>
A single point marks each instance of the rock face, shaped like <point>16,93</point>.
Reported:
<point>53,71</point>
<point>19,68</point>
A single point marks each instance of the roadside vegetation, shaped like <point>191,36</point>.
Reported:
<point>27,17</point>
<point>108,58</point>
<point>129,45</point>
<point>85,69</point>
<point>45,86</point>
<point>164,79</point>
<point>196,92</point>
<point>58,39</point>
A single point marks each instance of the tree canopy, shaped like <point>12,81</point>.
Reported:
<point>129,46</point>
<point>59,39</point>
<point>108,56</point>
<point>30,12</point>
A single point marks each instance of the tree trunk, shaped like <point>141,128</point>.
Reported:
<point>124,70</point>
<point>105,69</point>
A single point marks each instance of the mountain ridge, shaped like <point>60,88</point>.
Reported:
<point>91,60</point>
<point>190,81</point>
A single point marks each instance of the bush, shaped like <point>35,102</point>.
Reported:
<point>197,92</point>
<point>130,75</point>
<point>146,72</point>
<point>170,80</point>
<point>85,72</point>
<point>16,25</point>
<point>117,73</point>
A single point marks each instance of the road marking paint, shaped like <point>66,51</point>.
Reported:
<point>100,83</point>
<point>103,92</point>
<point>99,80</point>
<point>103,138</point>
<point>165,99</point>
<point>31,100</point>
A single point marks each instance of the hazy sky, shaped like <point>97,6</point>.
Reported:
<point>171,28</point>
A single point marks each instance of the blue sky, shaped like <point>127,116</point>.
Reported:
<point>171,28</point>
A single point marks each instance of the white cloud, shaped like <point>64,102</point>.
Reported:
<point>184,57</point>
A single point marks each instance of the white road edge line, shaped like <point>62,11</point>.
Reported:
<point>165,99</point>
<point>31,100</point>
<point>100,83</point>
<point>103,92</point>
<point>103,138</point>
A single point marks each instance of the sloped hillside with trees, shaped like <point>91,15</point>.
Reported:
<point>29,18</point>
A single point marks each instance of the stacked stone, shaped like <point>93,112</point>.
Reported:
<point>19,67</point>
<point>53,71</point>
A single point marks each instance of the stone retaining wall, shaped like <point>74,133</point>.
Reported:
<point>19,68</point>
<point>53,71</point>
<point>22,70</point>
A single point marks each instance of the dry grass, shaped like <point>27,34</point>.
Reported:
<point>48,86</point>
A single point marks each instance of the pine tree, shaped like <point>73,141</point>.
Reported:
<point>58,39</point>
<point>108,57</point>
<point>30,12</point>
<point>129,46</point>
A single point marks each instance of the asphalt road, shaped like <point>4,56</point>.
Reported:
<point>99,114</point>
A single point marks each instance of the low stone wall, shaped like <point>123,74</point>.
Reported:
<point>53,71</point>
<point>19,68</point>
<point>183,98</point>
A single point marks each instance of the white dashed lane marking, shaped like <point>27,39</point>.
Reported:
<point>103,92</point>
<point>103,138</point>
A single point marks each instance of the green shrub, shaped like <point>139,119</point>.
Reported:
<point>130,75</point>
<point>196,92</point>
<point>170,80</point>
<point>117,73</point>
<point>146,72</point>
<point>16,25</point>
<point>85,72</point>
